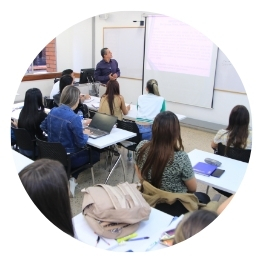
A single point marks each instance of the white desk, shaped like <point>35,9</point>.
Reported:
<point>153,228</point>
<point>20,160</point>
<point>93,104</point>
<point>116,135</point>
<point>230,180</point>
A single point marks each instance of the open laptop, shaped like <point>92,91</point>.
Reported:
<point>101,125</point>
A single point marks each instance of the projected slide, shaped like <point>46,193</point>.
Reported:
<point>181,59</point>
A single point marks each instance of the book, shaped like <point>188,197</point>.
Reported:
<point>204,168</point>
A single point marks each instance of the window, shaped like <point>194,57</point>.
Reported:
<point>45,61</point>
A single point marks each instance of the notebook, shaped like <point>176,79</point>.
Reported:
<point>204,168</point>
<point>101,125</point>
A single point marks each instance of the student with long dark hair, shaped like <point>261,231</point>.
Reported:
<point>162,160</point>
<point>112,103</point>
<point>46,183</point>
<point>148,106</point>
<point>237,134</point>
<point>31,115</point>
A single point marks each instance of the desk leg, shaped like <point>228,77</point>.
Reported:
<point>123,166</point>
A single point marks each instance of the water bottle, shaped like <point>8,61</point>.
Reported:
<point>81,116</point>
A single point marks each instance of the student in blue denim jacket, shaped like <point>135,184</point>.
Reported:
<point>64,126</point>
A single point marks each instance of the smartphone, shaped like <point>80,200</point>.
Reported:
<point>217,173</point>
<point>167,235</point>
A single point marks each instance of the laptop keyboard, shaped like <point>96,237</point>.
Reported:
<point>96,132</point>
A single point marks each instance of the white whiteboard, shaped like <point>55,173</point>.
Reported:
<point>226,77</point>
<point>126,45</point>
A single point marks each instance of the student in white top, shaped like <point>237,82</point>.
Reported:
<point>148,106</point>
<point>55,89</point>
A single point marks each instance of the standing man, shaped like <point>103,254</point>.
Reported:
<point>107,69</point>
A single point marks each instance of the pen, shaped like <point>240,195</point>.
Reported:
<point>98,239</point>
<point>139,238</point>
<point>152,245</point>
<point>105,241</point>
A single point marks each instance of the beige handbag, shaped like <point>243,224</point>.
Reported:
<point>114,211</point>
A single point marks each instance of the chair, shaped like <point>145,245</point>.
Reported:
<point>25,142</point>
<point>56,151</point>
<point>132,127</point>
<point>91,113</point>
<point>48,102</point>
<point>242,155</point>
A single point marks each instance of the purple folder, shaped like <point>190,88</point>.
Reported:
<point>204,168</point>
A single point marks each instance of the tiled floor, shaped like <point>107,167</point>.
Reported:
<point>192,139</point>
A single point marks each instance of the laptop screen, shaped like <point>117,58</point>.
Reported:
<point>103,122</point>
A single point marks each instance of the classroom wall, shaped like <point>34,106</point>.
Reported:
<point>74,47</point>
<point>44,85</point>
<point>74,50</point>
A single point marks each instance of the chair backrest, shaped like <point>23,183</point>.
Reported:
<point>132,127</point>
<point>234,153</point>
<point>24,140</point>
<point>91,113</point>
<point>54,151</point>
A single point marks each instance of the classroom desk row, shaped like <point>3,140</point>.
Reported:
<point>229,181</point>
<point>94,103</point>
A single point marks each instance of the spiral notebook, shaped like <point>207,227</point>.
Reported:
<point>204,168</point>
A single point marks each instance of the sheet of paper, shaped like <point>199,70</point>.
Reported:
<point>96,104</point>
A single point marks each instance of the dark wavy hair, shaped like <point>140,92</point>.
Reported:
<point>166,139</point>
<point>112,89</point>
<point>47,185</point>
<point>237,128</point>
<point>30,113</point>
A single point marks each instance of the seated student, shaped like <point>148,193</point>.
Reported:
<point>112,103</point>
<point>192,223</point>
<point>148,106</point>
<point>64,126</point>
<point>46,183</point>
<point>162,160</point>
<point>55,89</point>
<point>31,115</point>
<point>237,134</point>
<point>65,81</point>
